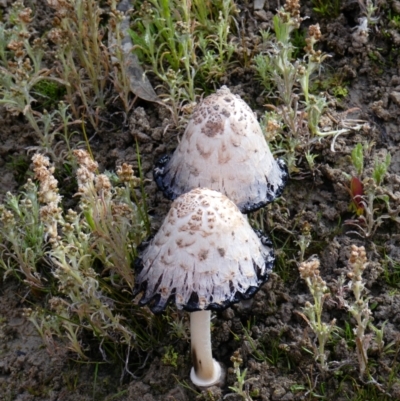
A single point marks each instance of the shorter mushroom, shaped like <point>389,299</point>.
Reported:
<point>205,257</point>
<point>223,148</point>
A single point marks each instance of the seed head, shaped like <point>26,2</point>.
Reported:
<point>358,261</point>
<point>103,184</point>
<point>25,15</point>
<point>15,45</point>
<point>293,7</point>
<point>85,160</point>
<point>314,31</point>
<point>309,269</point>
<point>126,174</point>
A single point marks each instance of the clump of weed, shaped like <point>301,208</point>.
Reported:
<point>22,250</point>
<point>48,94</point>
<point>326,8</point>
<point>89,72</point>
<point>297,112</point>
<point>83,58</point>
<point>312,312</point>
<point>82,258</point>
<point>21,71</point>
<point>361,31</point>
<point>360,309</point>
<point>241,385</point>
<point>371,201</point>
<point>185,49</point>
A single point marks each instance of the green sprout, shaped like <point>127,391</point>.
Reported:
<point>170,357</point>
<point>357,157</point>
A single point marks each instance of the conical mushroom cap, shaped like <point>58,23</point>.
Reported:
<point>205,256</point>
<point>223,148</point>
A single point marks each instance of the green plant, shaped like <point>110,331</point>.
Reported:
<point>303,243</point>
<point>326,8</point>
<point>391,271</point>
<point>48,93</point>
<point>21,250</point>
<point>312,313</point>
<point>311,160</point>
<point>241,384</point>
<point>368,9</point>
<point>299,42</point>
<point>187,48</point>
<point>78,43</point>
<point>340,92</point>
<point>282,74</point>
<point>257,350</point>
<point>170,357</point>
<point>313,390</point>
<point>359,308</point>
<point>378,335</point>
<point>357,157</point>
<point>125,71</point>
<point>81,258</point>
<point>368,392</point>
<point>369,197</point>
<point>349,334</point>
<point>91,66</point>
<point>268,348</point>
<point>264,67</point>
<point>166,41</point>
<point>29,89</point>
<point>21,73</point>
<point>394,20</point>
<point>331,82</point>
<point>178,327</point>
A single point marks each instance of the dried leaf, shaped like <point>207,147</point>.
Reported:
<point>139,84</point>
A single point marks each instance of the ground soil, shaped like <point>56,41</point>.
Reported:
<point>271,336</point>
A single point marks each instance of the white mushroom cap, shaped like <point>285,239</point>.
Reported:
<point>205,256</point>
<point>223,148</point>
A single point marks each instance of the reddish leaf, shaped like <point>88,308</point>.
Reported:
<point>357,192</point>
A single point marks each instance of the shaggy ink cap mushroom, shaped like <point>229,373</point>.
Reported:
<point>223,148</point>
<point>205,256</point>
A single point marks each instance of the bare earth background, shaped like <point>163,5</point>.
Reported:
<point>29,371</point>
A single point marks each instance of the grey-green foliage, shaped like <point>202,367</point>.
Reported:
<point>280,74</point>
<point>22,236</point>
<point>82,258</point>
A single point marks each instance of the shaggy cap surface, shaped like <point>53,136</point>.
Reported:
<point>223,148</point>
<point>205,256</point>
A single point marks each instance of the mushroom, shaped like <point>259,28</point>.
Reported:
<point>204,257</point>
<point>223,148</point>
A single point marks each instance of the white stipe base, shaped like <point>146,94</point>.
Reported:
<point>213,381</point>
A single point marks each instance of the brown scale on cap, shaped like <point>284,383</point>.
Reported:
<point>205,253</point>
<point>224,149</point>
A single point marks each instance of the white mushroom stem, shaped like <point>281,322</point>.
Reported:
<point>206,371</point>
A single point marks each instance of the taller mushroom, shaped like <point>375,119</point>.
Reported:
<point>224,149</point>
<point>205,257</point>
